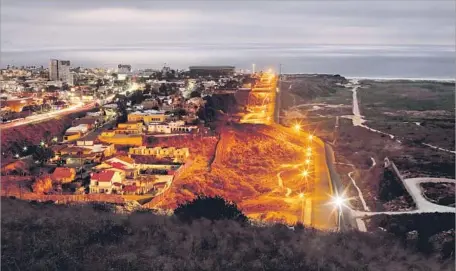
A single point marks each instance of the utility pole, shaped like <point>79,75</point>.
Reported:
<point>279,93</point>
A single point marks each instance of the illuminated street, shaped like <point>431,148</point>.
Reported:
<point>306,186</point>
<point>72,109</point>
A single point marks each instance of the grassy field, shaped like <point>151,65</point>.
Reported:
<point>415,111</point>
<point>440,193</point>
<point>394,107</point>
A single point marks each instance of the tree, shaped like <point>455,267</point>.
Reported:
<point>42,154</point>
<point>47,136</point>
<point>212,208</point>
<point>195,94</point>
<point>163,89</point>
<point>42,185</point>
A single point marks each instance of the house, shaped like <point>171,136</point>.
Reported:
<point>130,127</point>
<point>178,155</point>
<point>123,164</point>
<point>74,133</point>
<point>171,127</point>
<point>148,116</point>
<point>105,182</point>
<point>91,122</point>
<point>112,137</point>
<point>100,149</point>
<point>63,175</point>
<point>83,152</point>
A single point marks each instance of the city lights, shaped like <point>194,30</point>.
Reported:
<point>24,149</point>
<point>310,137</point>
<point>301,195</point>
<point>307,161</point>
<point>305,173</point>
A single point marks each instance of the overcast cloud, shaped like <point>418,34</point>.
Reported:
<point>106,32</point>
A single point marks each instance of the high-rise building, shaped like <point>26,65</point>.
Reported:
<point>59,70</point>
<point>53,70</point>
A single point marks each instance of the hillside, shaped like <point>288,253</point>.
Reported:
<point>14,139</point>
<point>50,237</point>
<point>244,170</point>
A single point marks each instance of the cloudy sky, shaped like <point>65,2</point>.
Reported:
<point>189,32</point>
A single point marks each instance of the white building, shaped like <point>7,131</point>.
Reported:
<point>171,127</point>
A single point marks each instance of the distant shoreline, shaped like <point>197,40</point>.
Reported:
<point>373,78</point>
<point>401,79</point>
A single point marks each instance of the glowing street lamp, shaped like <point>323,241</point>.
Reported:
<point>55,139</point>
<point>305,173</point>
<point>297,127</point>
<point>307,161</point>
<point>310,137</point>
<point>42,143</point>
<point>339,202</point>
<point>24,148</point>
<point>17,155</point>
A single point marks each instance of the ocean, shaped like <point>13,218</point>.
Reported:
<point>435,62</point>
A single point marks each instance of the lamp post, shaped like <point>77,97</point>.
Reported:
<point>339,202</point>
<point>297,128</point>
<point>301,196</point>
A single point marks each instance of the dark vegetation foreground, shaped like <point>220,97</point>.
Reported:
<point>48,237</point>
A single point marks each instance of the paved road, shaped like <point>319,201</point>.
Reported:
<point>324,215</point>
<point>73,109</point>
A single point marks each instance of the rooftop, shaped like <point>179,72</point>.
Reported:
<point>103,176</point>
<point>63,172</point>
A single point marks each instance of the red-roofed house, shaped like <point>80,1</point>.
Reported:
<point>121,163</point>
<point>63,175</point>
<point>105,181</point>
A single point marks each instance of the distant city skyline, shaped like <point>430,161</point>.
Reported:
<point>344,37</point>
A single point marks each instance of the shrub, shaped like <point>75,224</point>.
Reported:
<point>212,208</point>
<point>42,184</point>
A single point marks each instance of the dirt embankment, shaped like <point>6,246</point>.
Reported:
<point>14,139</point>
<point>244,172</point>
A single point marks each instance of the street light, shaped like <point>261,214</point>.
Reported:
<point>305,173</point>
<point>339,202</point>
<point>297,127</point>
<point>42,143</point>
<point>24,148</point>
<point>310,137</point>
<point>307,161</point>
<point>17,155</point>
<point>301,196</point>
